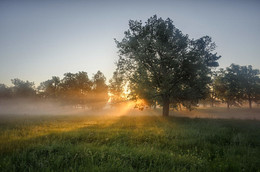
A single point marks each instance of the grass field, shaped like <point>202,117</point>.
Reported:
<point>133,141</point>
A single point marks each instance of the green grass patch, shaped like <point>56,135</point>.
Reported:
<point>128,143</point>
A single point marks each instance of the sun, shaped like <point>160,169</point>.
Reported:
<point>126,91</point>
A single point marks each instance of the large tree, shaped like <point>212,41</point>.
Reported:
<point>172,67</point>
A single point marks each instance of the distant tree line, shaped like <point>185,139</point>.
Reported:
<point>74,89</point>
<point>233,86</point>
<point>236,85</point>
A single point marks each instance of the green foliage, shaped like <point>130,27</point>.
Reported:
<point>23,89</point>
<point>128,143</point>
<point>50,88</point>
<point>5,92</point>
<point>163,65</point>
<point>238,83</point>
<point>211,95</point>
<point>250,82</point>
<point>75,87</point>
<point>228,87</point>
<point>141,87</point>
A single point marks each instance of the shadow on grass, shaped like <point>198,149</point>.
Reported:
<point>220,113</point>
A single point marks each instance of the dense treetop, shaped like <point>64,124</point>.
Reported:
<point>165,64</point>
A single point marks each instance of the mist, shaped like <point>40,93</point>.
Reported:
<point>30,106</point>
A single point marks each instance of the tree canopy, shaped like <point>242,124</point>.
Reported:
<point>237,84</point>
<point>162,64</point>
<point>227,86</point>
<point>5,92</point>
<point>99,94</point>
<point>50,88</point>
<point>23,88</point>
<point>77,89</point>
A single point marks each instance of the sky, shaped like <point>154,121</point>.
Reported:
<point>41,39</point>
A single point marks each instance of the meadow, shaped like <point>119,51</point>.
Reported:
<point>131,141</point>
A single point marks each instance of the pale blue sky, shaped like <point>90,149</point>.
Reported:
<point>40,39</point>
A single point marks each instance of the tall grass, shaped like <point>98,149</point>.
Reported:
<point>128,143</point>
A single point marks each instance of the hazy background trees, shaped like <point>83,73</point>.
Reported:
<point>250,82</point>
<point>99,93</point>
<point>50,88</point>
<point>74,89</point>
<point>23,89</point>
<point>5,92</point>
<point>237,84</point>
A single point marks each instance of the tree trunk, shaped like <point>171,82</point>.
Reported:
<point>180,107</point>
<point>228,105</point>
<point>166,106</point>
<point>212,102</point>
<point>250,103</point>
<point>154,106</point>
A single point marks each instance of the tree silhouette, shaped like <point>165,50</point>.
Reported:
<point>238,83</point>
<point>173,68</point>
<point>75,88</point>
<point>228,86</point>
<point>250,82</point>
<point>23,89</point>
<point>50,88</point>
<point>99,96</point>
<point>5,92</point>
